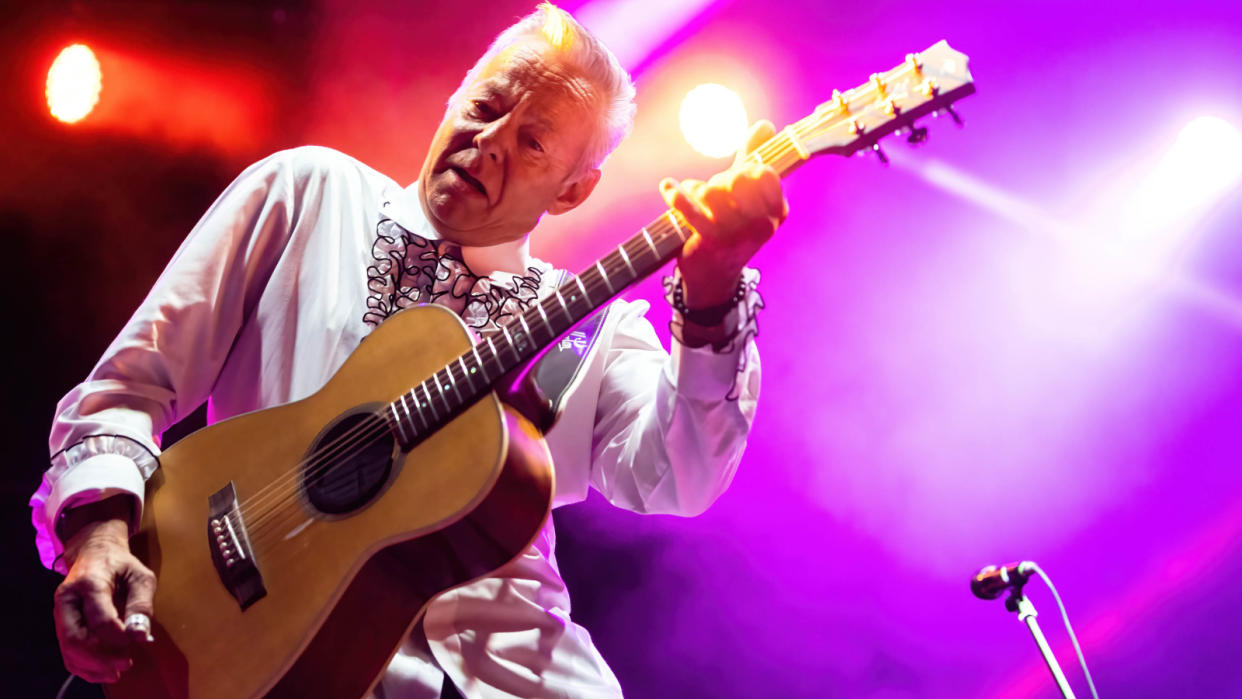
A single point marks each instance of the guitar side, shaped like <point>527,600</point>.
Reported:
<point>341,590</point>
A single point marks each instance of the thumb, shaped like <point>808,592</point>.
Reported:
<point>139,584</point>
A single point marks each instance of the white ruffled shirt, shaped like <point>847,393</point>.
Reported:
<point>267,297</point>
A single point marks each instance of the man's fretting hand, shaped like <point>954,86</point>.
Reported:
<point>105,584</point>
<point>734,213</point>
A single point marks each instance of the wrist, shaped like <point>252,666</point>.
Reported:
<point>709,291</point>
<point>109,516</point>
<point>706,316</point>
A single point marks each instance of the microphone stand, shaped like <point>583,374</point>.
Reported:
<point>1020,605</point>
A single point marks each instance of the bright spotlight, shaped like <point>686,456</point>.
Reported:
<point>73,83</point>
<point>713,120</point>
<point>1203,164</point>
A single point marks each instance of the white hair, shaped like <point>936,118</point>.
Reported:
<point>589,58</point>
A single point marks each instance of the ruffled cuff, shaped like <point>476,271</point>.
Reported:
<point>700,369</point>
<point>94,469</point>
<point>740,322</point>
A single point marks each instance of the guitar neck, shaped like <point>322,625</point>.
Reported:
<point>854,120</point>
<point>521,338</point>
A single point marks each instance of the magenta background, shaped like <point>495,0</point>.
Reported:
<point>934,398</point>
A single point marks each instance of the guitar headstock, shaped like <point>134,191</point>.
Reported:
<point>857,119</point>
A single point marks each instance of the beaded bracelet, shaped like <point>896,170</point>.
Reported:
<point>712,315</point>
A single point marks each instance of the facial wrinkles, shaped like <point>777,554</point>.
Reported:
<point>531,92</point>
<point>541,94</point>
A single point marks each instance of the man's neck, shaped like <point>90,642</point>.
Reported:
<point>512,257</point>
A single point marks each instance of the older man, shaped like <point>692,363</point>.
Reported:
<point>308,250</point>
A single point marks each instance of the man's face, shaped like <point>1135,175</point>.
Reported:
<point>507,151</point>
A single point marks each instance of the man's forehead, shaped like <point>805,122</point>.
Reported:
<point>538,69</point>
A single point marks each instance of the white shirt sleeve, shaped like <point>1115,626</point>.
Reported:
<point>162,365</point>
<point>670,429</point>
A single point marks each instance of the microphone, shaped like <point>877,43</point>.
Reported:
<point>991,582</point>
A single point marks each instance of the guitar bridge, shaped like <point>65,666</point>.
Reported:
<point>230,548</point>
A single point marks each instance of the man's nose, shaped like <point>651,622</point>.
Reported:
<point>492,140</point>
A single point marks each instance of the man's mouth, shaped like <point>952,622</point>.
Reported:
<point>470,180</point>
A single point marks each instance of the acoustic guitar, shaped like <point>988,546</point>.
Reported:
<point>295,547</point>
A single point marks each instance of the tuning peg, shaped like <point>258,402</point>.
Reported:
<point>956,119</point>
<point>879,153</point>
<point>917,136</point>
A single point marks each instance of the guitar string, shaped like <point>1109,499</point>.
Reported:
<point>770,151</point>
<point>363,430</point>
<point>350,438</point>
<point>353,434</point>
<point>378,427</point>
<point>774,151</point>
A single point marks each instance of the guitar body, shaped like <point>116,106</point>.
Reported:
<point>281,576</point>
<point>342,588</point>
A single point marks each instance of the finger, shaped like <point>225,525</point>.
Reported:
<point>760,132</point>
<point>721,201</point>
<point>139,584</point>
<point>677,197</point>
<point>70,626</point>
<point>99,611</point>
<point>98,667</point>
<point>769,184</point>
<point>82,654</point>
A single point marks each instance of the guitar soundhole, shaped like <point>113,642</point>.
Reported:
<point>349,464</point>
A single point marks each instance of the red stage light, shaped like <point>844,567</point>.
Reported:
<point>73,83</point>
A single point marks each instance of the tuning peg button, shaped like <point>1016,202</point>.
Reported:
<point>879,153</point>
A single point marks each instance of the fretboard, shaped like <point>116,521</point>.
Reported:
<point>522,337</point>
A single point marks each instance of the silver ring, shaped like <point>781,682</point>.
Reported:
<point>138,622</point>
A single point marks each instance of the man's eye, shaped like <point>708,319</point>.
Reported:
<point>482,109</point>
<point>536,145</point>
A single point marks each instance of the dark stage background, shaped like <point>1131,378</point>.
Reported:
<point>1003,346</point>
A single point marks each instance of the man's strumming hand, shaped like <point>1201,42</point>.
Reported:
<point>105,584</point>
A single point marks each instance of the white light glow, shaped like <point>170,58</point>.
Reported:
<point>1203,164</point>
<point>713,120</point>
<point>1102,267</point>
<point>633,29</point>
<point>73,83</point>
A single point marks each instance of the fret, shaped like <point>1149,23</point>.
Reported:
<point>448,408</point>
<point>651,244</point>
<point>496,354</point>
<point>466,373</point>
<point>676,225</point>
<point>479,361</point>
<point>604,275</point>
<point>529,335</point>
<point>546,323</point>
<point>427,395</point>
<point>453,383</point>
<point>625,256</point>
<point>406,407</point>
<point>397,421</point>
<point>568,316</point>
<point>504,329</point>
<point>585,295</point>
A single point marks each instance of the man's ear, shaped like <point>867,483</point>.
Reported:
<point>575,192</point>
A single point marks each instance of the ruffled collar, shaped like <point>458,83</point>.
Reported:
<point>409,268</point>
